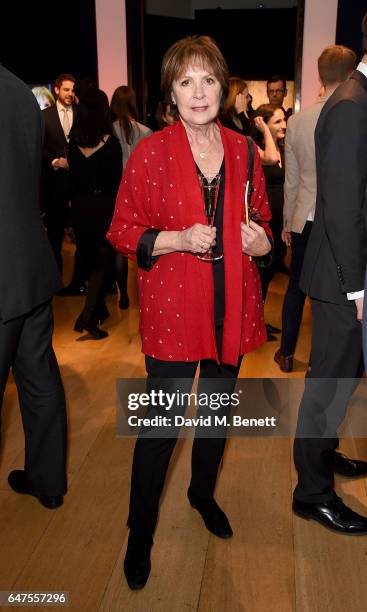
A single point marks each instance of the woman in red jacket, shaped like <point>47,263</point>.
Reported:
<point>191,310</point>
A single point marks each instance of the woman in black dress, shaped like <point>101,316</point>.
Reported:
<point>95,162</point>
<point>274,118</point>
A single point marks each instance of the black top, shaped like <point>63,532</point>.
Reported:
<point>94,184</point>
<point>100,171</point>
<point>218,266</point>
<point>274,176</point>
<point>228,122</point>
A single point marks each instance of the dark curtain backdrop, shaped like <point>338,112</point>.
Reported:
<point>256,43</point>
<point>348,29</point>
<point>40,39</point>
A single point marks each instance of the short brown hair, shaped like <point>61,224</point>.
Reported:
<point>63,77</point>
<point>202,49</point>
<point>335,64</point>
<point>364,34</point>
<point>266,111</point>
<point>236,86</point>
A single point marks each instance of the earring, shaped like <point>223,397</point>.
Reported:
<point>173,102</point>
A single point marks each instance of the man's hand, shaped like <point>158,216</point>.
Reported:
<point>61,162</point>
<point>359,306</point>
<point>287,237</point>
<point>254,240</point>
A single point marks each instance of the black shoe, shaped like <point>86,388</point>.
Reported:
<point>333,515</point>
<point>18,482</point>
<point>270,337</point>
<point>349,468</point>
<point>137,562</point>
<point>271,329</point>
<point>285,363</point>
<point>73,290</point>
<point>102,314</point>
<point>92,328</point>
<point>124,302</point>
<point>213,516</point>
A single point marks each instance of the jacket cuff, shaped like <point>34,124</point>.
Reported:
<point>355,295</point>
<point>144,250</point>
<point>264,261</point>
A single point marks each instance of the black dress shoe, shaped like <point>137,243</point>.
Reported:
<point>73,290</point>
<point>334,515</point>
<point>271,329</point>
<point>137,562</point>
<point>18,482</point>
<point>124,302</point>
<point>213,516</point>
<point>102,314</point>
<point>349,468</point>
<point>285,363</point>
<point>92,328</point>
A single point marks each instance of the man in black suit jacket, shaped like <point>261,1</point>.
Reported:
<point>333,275</point>
<point>58,120</point>
<point>28,280</point>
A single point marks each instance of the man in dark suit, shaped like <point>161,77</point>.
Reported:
<point>333,275</point>
<point>58,121</point>
<point>28,280</point>
<point>335,65</point>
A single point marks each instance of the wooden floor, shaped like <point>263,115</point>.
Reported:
<point>274,563</point>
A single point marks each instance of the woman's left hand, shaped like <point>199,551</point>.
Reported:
<point>254,240</point>
<point>261,125</point>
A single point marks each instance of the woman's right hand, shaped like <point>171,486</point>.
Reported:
<point>197,239</point>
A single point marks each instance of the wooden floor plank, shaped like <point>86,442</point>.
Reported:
<point>330,567</point>
<point>274,562</point>
<point>178,554</point>
<point>254,571</point>
<point>23,523</point>
<point>80,547</point>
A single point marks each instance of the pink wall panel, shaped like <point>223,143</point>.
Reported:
<point>111,44</point>
<point>319,32</point>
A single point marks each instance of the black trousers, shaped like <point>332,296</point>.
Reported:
<point>280,251</point>
<point>152,455</point>
<point>280,248</point>
<point>98,259</point>
<point>57,196</point>
<point>335,366</point>
<point>294,298</point>
<point>26,347</point>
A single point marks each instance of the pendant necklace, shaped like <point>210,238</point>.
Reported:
<point>202,154</point>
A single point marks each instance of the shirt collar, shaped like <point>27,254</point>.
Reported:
<point>61,107</point>
<point>362,67</point>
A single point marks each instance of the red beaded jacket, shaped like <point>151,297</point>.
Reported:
<point>160,189</point>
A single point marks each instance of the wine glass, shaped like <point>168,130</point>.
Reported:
<point>209,185</point>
